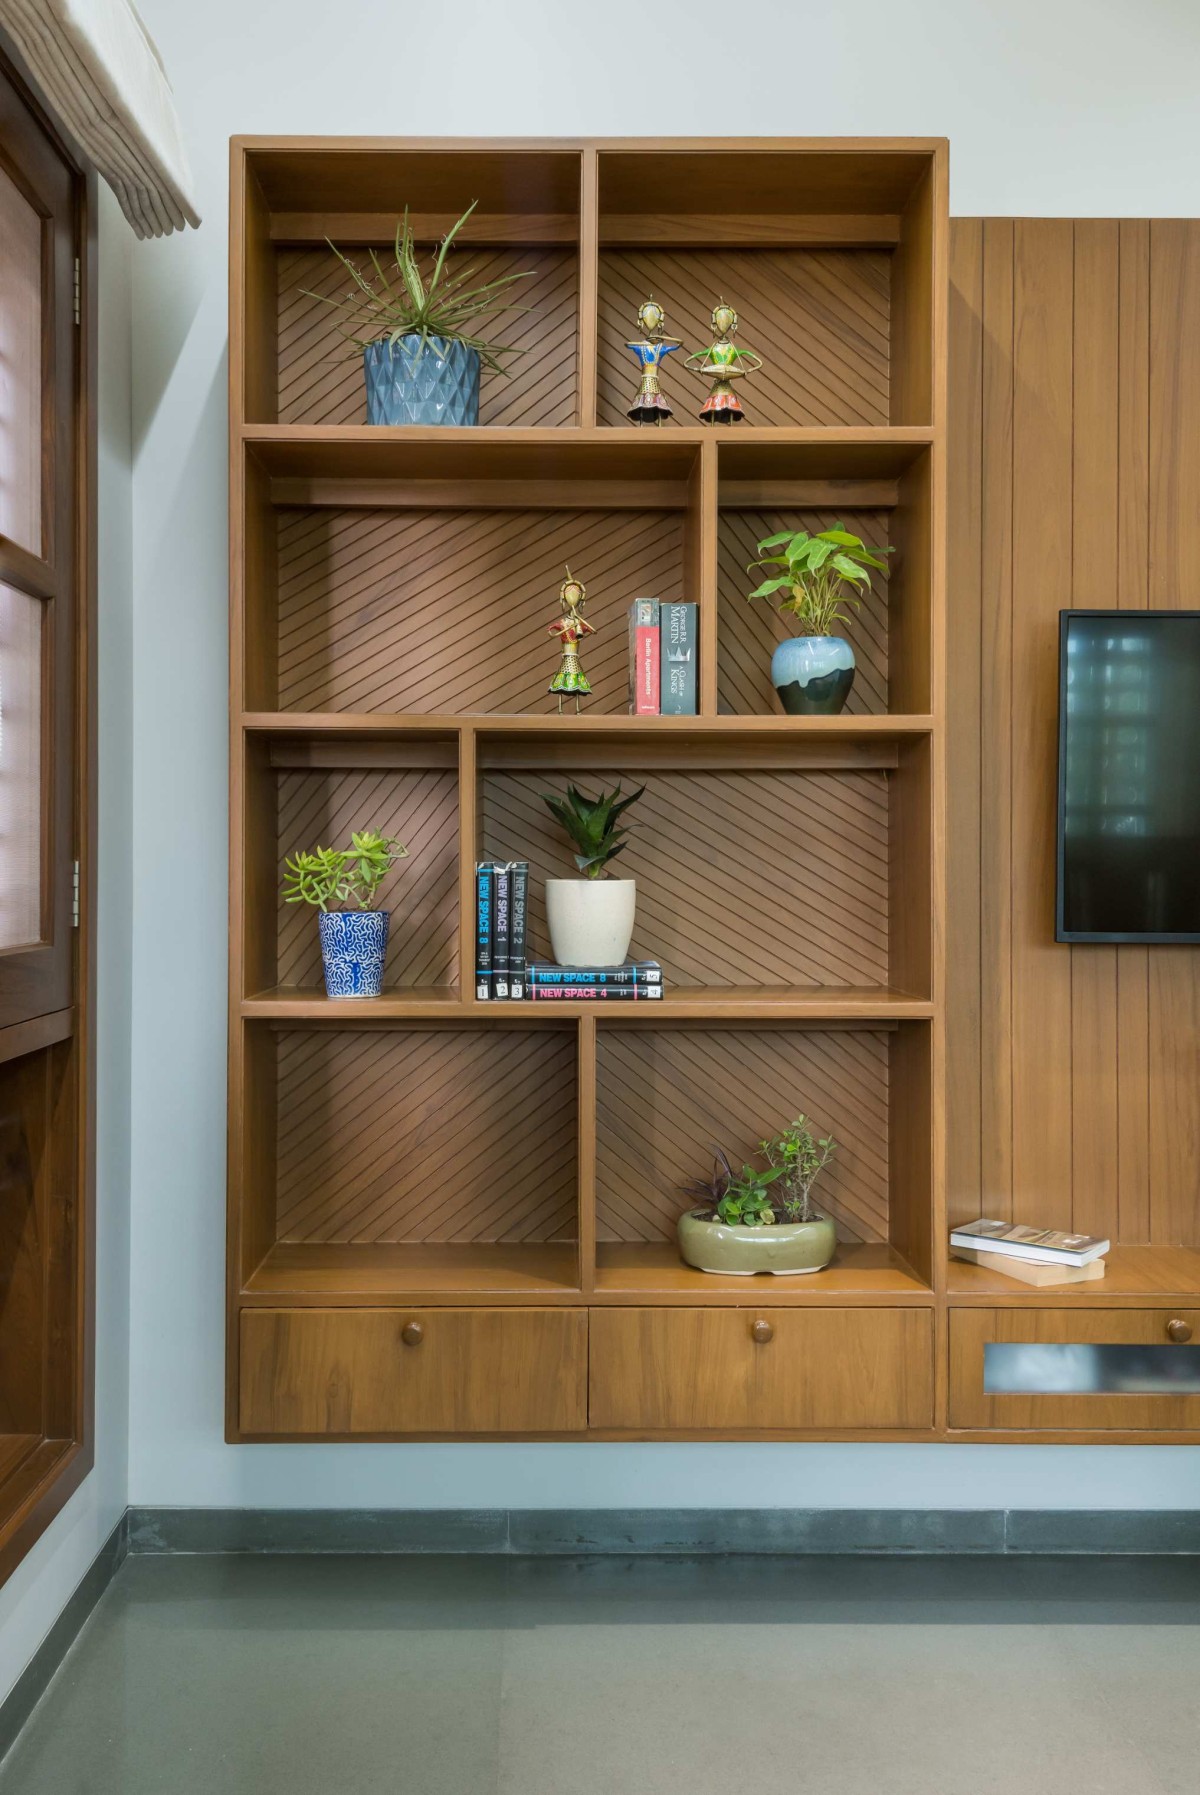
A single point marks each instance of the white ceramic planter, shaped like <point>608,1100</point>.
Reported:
<point>591,920</point>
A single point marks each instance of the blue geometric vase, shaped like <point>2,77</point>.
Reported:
<point>353,943</point>
<point>408,384</point>
<point>813,674</point>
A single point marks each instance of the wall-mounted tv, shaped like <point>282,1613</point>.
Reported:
<point>1129,776</point>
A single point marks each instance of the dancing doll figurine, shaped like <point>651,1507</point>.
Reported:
<point>570,628</point>
<point>650,406</point>
<point>723,363</point>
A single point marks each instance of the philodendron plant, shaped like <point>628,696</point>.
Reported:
<point>353,934</point>
<point>591,919</point>
<point>820,577</point>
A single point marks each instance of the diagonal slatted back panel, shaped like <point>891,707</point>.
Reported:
<point>820,319</point>
<point>368,600</point>
<point>743,878</point>
<point>426,1135</point>
<point>321,376</point>
<point>664,1097</point>
<point>421,808</point>
<point>748,632</point>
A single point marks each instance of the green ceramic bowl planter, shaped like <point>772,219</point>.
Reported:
<point>762,1219</point>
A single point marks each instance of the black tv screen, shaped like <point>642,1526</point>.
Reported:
<point>1129,776</point>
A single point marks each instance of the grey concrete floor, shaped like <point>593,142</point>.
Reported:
<point>491,1676</point>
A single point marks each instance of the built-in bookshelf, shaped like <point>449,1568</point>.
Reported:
<point>497,1175</point>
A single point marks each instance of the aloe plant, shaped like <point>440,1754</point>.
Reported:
<point>821,575</point>
<point>402,301</point>
<point>591,825</point>
<point>353,875</point>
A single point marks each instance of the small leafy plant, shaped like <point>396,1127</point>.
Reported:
<point>402,301</point>
<point>821,575</point>
<point>799,1157</point>
<point>350,875</point>
<point>591,825</point>
<point>782,1192</point>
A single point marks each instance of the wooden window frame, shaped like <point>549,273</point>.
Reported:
<point>47,993</point>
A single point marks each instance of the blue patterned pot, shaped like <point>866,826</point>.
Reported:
<point>353,943</point>
<point>813,674</point>
<point>410,385</point>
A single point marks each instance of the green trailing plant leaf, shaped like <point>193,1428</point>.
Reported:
<point>824,573</point>
<point>353,875</point>
<point>782,1191</point>
<point>384,305</point>
<point>591,825</point>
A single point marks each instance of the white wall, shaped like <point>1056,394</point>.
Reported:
<point>1066,107</point>
<point>30,1601</point>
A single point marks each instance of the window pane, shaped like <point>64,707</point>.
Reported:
<point>1031,1370</point>
<point>20,369</point>
<point>20,768</point>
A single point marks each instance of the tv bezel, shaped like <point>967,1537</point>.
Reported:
<point>1076,936</point>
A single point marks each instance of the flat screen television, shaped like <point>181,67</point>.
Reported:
<point>1129,776</point>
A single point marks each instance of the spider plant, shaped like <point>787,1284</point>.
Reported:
<point>385,303</point>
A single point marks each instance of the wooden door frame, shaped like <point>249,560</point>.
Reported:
<point>41,1485</point>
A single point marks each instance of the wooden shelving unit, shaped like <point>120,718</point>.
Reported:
<point>494,1174</point>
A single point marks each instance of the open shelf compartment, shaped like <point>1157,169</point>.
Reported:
<point>297,369</point>
<point>827,254</point>
<point>666,1096</point>
<point>379,1161</point>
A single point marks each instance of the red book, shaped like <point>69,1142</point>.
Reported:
<point>644,657</point>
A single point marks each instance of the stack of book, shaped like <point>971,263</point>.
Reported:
<point>662,658</point>
<point>1034,1255</point>
<point>501,898</point>
<point>615,984</point>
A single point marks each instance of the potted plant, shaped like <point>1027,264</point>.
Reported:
<point>762,1220</point>
<point>813,670</point>
<point>416,331</point>
<point>353,940</point>
<point>591,918</point>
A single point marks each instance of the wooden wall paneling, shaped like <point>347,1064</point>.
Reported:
<point>1041,1020</point>
<point>818,318</point>
<point>589,287</point>
<point>420,806</point>
<point>68,1350</point>
<point>320,376</point>
<point>744,877</point>
<point>918,274</point>
<point>1174,581</point>
<point>423,1135</point>
<point>257,577</point>
<point>911,1148</point>
<point>252,326</point>
<point>748,632</point>
<point>965,679</point>
<point>996,720</point>
<point>585,1109</point>
<point>912,924</point>
<point>254,1129</point>
<point>470,835</point>
<point>254,897</point>
<point>368,599</point>
<point>1133,592</point>
<point>1095,1141</point>
<point>666,1097</point>
<point>24,1221</point>
<point>914,601</point>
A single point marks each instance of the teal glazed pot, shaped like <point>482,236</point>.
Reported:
<point>813,674</point>
<point>408,384</point>
<point>783,1248</point>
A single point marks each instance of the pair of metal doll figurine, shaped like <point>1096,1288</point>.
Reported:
<point>722,363</point>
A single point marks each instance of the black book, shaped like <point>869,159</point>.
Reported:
<point>484,906</point>
<point>501,931</point>
<point>516,948</point>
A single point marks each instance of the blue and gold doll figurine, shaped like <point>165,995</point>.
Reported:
<point>570,629</point>
<point>723,363</point>
<point>650,406</point>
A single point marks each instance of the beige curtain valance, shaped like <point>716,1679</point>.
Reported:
<point>98,67</point>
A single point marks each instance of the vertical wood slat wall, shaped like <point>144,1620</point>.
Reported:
<point>1073,1090</point>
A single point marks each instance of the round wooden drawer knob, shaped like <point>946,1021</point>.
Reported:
<point>412,1333</point>
<point>1179,1331</point>
<point>762,1332</point>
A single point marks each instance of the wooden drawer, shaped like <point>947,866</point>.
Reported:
<point>703,1370</point>
<point>350,1372</point>
<point>1080,1400</point>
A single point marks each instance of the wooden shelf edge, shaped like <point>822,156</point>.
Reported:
<point>627,436</point>
<point>1137,1277</point>
<point>303,1005</point>
<point>491,723</point>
